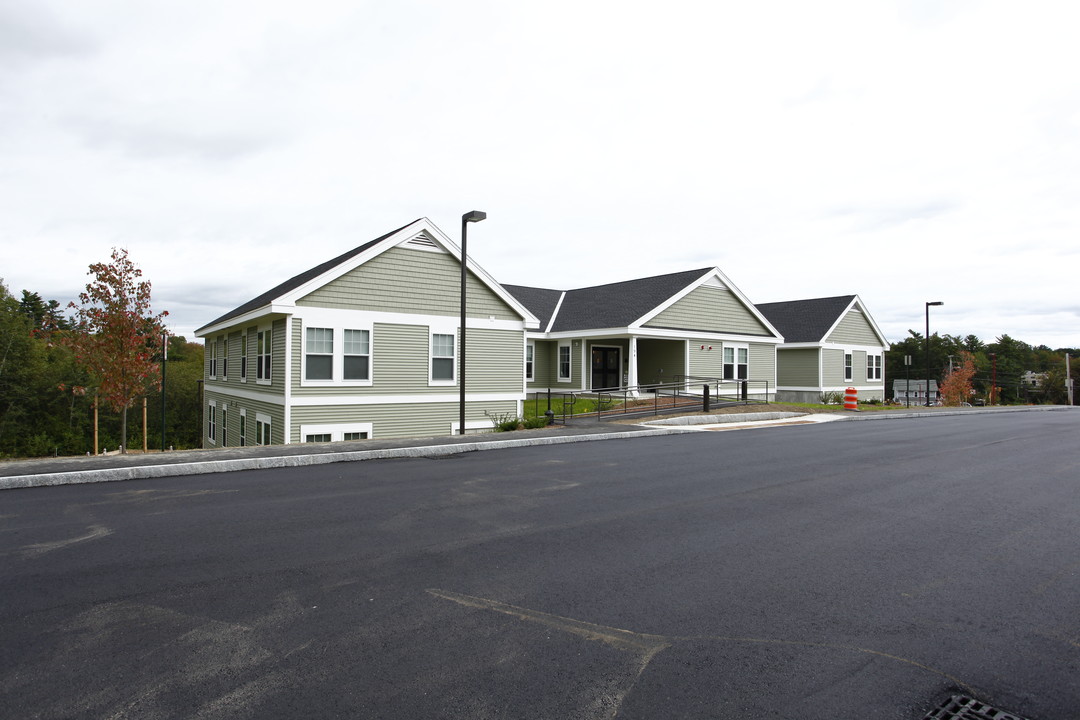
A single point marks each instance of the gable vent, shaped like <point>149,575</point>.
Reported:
<point>422,241</point>
<point>714,282</point>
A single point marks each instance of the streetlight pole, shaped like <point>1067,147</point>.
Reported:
<point>993,377</point>
<point>469,217</point>
<point>928,304</point>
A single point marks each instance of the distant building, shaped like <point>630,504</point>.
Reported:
<point>916,392</point>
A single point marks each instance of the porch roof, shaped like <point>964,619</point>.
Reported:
<point>603,306</point>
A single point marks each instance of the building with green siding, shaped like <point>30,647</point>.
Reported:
<point>830,344</point>
<point>688,328</point>
<point>365,345</point>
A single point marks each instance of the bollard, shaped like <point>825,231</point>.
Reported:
<point>705,396</point>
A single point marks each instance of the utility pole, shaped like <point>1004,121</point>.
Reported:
<point>1068,379</point>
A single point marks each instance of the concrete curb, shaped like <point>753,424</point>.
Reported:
<point>896,415</point>
<point>215,466</point>
<point>720,419</point>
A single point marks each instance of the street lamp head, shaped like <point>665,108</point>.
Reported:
<point>934,302</point>
<point>474,216</point>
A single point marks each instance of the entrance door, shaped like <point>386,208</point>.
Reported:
<point>606,370</point>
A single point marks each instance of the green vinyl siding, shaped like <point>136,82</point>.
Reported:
<point>706,363</point>
<point>400,419</point>
<point>763,362</point>
<point>709,308</point>
<point>544,364</point>
<point>854,329</point>
<point>832,368</point>
<point>275,412</point>
<point>410,281</point>
<point>797,367</point>
<point>399,363</point>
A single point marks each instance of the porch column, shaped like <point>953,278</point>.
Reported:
<point>632,377</point>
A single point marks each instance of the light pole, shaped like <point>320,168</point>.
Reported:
<point>993,377</point>
<point>469,217</point>
<point>928,304</point>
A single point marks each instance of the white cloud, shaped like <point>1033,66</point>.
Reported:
<point>903,151</point>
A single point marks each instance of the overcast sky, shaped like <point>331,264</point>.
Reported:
<point>901,151</point>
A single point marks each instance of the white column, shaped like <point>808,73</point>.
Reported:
<point>632,380</point>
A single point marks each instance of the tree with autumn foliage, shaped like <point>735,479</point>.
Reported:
<point>116,336</point>
<point>956,388</point>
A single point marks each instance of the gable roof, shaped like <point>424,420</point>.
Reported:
<point>807,320</point>
<point>614,305</point>
<point>298,285</point>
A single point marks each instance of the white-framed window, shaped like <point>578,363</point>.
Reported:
<point>264,354</point>
<point>336,432</point>
<point>224,426</point>
<point>225,358</point>
<point>335,354</point>
<point>262,429</point>
<point>736,362</point>
<point>243,356</point>
<point>443,358</point>
<point>847,366</point>
<point>530,354</point>
<point>213,358</point>
<point>211,421</point>
<point>873,367</point>
<point>356,354</point>
<point>319,353</point>
<point>565,364</point>
<point>243,428</point>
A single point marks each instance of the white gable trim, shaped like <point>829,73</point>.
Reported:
<point>405,235</point>
<point>856,304</point>
<point>713,278</point>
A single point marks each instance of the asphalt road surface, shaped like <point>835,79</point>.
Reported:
<point>844,570</point>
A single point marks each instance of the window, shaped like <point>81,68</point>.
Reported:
<point>213,359</point>
<point>336,432</point>
<point>357,361</point>
<point>243,357</point>
<point>873,367</point>
<point>317,438</point>
<point>224,426</point>
<point>225,359</point>
<point>354,436</point>
<point>564,362</point>
<point>530,351</point>
<point>211,422</point>
<point>847,367</point>
<point>264,350</point>
<point>442,357</point>
<point>243,429</point>
<point>319,355</point>
<point>736,362</point>
<point>262,429</point>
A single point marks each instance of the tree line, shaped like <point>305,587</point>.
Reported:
<point>1002,363</point>
<point>54,368</point>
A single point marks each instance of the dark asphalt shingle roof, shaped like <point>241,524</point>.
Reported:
<point>805,320</point>
<point>603,306</point>
<point>296,281</point>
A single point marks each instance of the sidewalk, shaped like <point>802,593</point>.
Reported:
<point>74,470</point>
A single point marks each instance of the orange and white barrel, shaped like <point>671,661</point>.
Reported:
<point>851,399</point>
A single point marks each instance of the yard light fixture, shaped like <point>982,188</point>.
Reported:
<point>469,217</point>
<point>928,304</point>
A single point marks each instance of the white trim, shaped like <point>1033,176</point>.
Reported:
<point>482,425</point>
<point>328,317</point>
<point>212,421</point>
<point>335,430</point>
<point>726,282</point>
<point>286,379</point>
<point>530,376</point>
<point>844,365</point>
<point>653,333</point>
<point>555,313</point>
<point>246,394</point>
<point>347,400</point>
<point>452,331</point>
<point>559,377</point>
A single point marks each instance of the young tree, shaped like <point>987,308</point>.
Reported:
<point>116,336</point>
<point>956,387</point>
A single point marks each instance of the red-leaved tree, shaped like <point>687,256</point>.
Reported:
<point>956,387</point>
<point>116,335</point>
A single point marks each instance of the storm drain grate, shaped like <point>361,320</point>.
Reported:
<point>961,707</point>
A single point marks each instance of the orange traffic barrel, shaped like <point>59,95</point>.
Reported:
<point>851,399</point>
